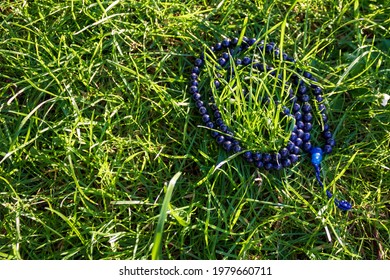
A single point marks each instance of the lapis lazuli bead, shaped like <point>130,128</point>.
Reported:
<point>316,155</point>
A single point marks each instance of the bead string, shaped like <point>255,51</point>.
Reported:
<point>300,104</point>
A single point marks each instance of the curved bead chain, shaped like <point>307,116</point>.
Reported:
<point>301,111</point>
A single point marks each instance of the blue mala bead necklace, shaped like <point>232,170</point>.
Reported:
<point>300,110</point>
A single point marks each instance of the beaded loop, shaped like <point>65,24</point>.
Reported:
<point>301,111</point>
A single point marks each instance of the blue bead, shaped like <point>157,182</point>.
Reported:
<point>327,149</point>
<point>307,146</point>
<point>307,117</point>
<point>307,75</point>
<point>317,90</point>
<point>277,166</point>
<point>259,164</point>
<point>198,62</point>
<point>219,122</point>
<point>246,61</point>
<point>316,155</point>
<point>217,114</point>
<point>343,205</point>
<point>266,157</point>
<point>268,166</point>
<point>319,98</point>
<point>284,152</point>
<point>327,134</point>
<point>227,145</point>
<point>306,108</point>
<point>202,110</point>
<point>257,156</point>
<point>302,89</point>
<point>293,136</point>
<point>205,118</point>
<point>226,42</point>
<point>305,98</point>
<point>223,128</point>
<point>293,158</point>
<point>199,104</point>
<point>218,47</point>
<point>225,55</point>
<point>286,162</point>
<point>222,61</point>
<point>193,89</point>
<point>306,136</point>
<point>269,48</point>
<point>237,149</point>
<point>290,146</point>
<point>252,41</point>
<point>196,96</point>
<point>296,107</point>
<point>214,134</point>
<point>196,70</point>
<point>299,133</point>
<point>247,154</point>
<point>296,150</point>
<point>307,127</point>
<point>298,116</point>
<point>217,83</point>
<point>220,139</point>
<point>194,76</point>
<point>298,142</point>
<point>300,124</point>
<point>331,142</point>
<point>324,117</point>
<point>234,41</point>
<point>210,125</point>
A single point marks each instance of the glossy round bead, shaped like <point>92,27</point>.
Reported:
<point>196,70</point>
<point>227,145</point>
<point>284,152</point>
<point>307,75</point>
<point>217,83</point>
<point>266,157</point>
<point>198,62</point>
<point>296,107</point>
<point>317,90</point>
<point>257,156</point>
<point>299,133</point>
<point>268,166</point>
<point>226,42</point>
<point>305,98</point>
<point>331,142</point>
<point>199,104</point>
<point>308,117</point>
<point>210,124</point>
<point>218,47</point>
<point>223,128</point>
<point>219,122</point>
<point>307,127</point>
<point>247,155</point>
<point>202,110</point>
<point>196,96</point>
<point>205,118</point>
<point>221,61</point>
<point>246,61</point>
<point>234,41</point>
<point>306,136</point>
<point>327,134</point>
<point>237,148</point>
<point>319,98</point>
<point>252,41</point>
<point>286,162</point>
<point>298,142</point>
<point>220,139</point>
<point>307,146</point>
<point>259,164</point>
<point>293,158</point>
<point>327,149</point>
<point>306,108</point>
<point>277,166</point>
<point>298,116</point>
<point>302,89</point>
<point>300,124</point>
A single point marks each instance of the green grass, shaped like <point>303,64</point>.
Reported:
<point>96,119</point>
